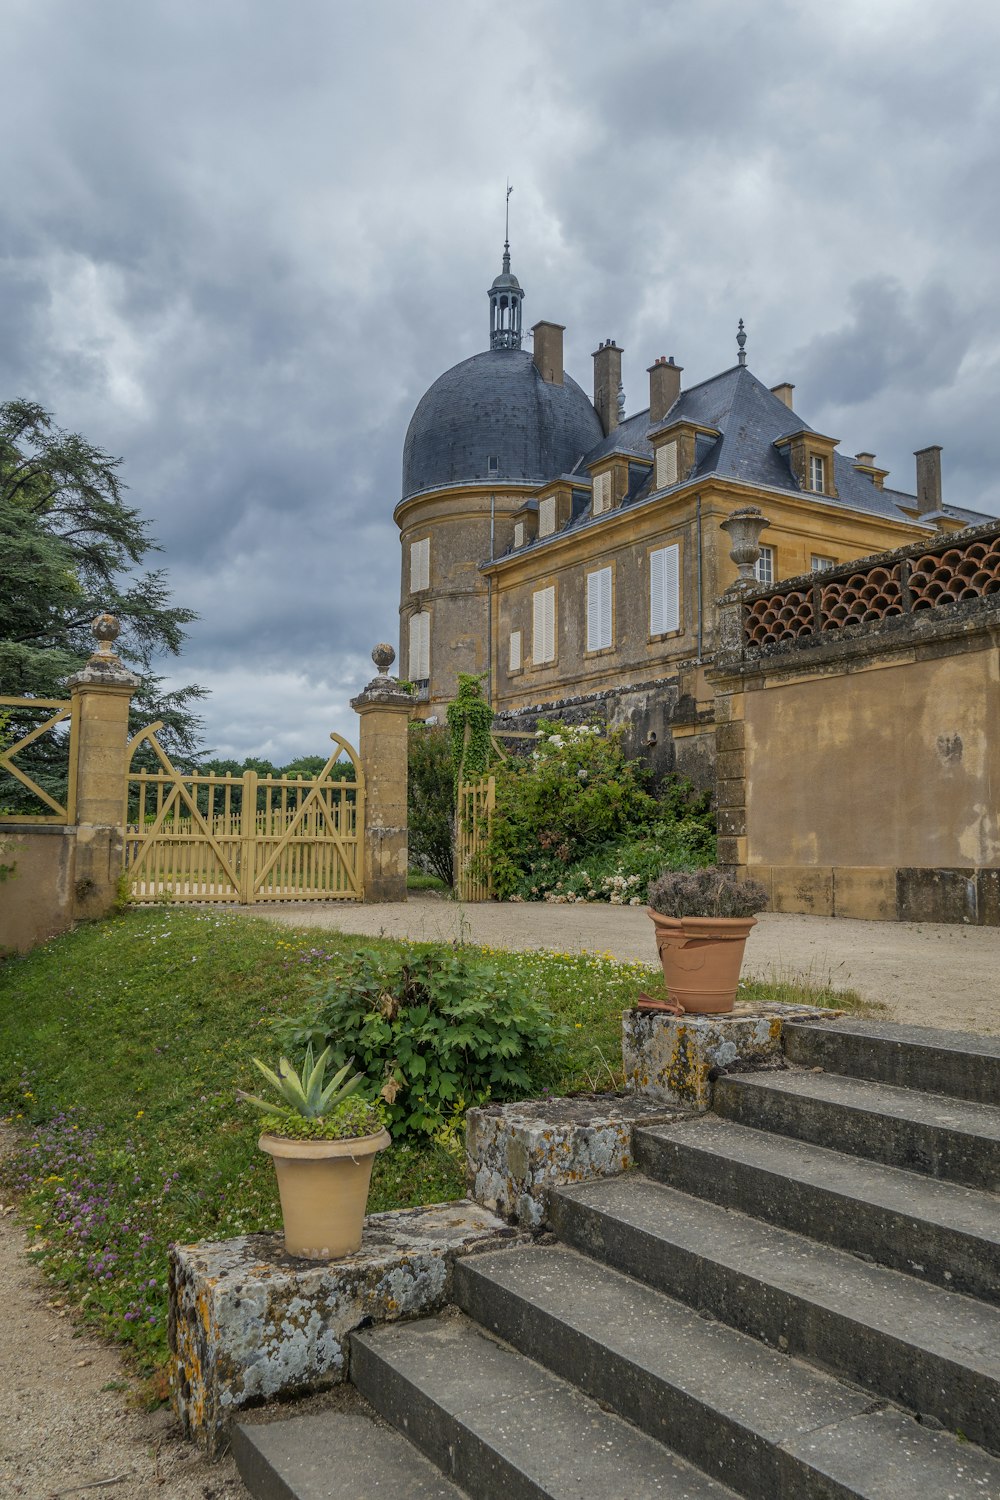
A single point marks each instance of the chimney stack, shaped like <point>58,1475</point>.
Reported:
<point>928,479</point>
<point>548,355</point>
<point>783,392</point>
<point>868,459</point>
<point>664,387</point>
<point>607,380</point>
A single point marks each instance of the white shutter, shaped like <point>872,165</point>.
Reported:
<point>547,516</point>
<point>420,564</point>
<point>664,590</point>
<point>602,493</point>
<point>515,651</point>
<point>419,663</point>
<point>666,465</point>
<point>518,533</point>
<point>599,610</point>
<point>543,636</point>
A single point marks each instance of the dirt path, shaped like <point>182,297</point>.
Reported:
<point>926,973</point>
<point>66,1428</point>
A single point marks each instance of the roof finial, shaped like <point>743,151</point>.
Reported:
<point>741,339</point>
<point>506,229</point>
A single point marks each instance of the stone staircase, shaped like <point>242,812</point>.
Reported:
<point>797,1296</point>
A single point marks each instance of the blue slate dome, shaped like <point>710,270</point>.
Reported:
<point>495,406</point>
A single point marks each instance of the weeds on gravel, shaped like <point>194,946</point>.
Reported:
<point>121,1046</point>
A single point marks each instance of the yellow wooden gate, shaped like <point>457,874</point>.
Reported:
<point>473,822</point>
<point>201,837</point>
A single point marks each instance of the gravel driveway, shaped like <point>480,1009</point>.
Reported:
<point>925,973</point>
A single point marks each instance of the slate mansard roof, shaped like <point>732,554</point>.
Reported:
<point>496,406</point>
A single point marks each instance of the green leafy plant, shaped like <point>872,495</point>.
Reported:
<point>306,1096</point>
<point>431,800</point>
<point>470,720</point>
<point>346,1121</point>
<point>706,893</point>
<point>444,1028</point>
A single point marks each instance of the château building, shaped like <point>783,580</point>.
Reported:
<point>574,554</point>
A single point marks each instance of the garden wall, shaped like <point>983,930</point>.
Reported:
<point>857,736</point>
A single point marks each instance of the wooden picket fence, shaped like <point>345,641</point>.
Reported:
<point>473,824</point>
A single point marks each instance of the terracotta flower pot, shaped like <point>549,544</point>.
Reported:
<point>324,1191</point>
<point>701,958</point>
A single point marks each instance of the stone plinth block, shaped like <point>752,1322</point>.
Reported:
<point>249,1323</point>
<point>676,1059</point>
<point>516,1152</point>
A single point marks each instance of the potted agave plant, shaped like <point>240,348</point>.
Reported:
<point>322,1138</point>
<point>702,919</point>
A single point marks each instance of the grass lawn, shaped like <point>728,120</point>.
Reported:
<point>121,1047</point>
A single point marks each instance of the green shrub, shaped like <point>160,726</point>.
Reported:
<point>431,800</point>
<point>442,1029</point>
<point>576,822</point>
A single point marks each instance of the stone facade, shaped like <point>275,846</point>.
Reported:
<point>579,488</point>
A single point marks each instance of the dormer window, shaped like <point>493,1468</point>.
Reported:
<point>547,516</point>
<point>817,474</point>
<point>518,534</point>
<point>666,465</point>
<point>493,464</point>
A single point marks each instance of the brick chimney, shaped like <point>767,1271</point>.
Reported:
<point>783,392</point>
<point>548,355</point>
<point>664,387</point>
<point>928,479</point>
<point>607,379</point>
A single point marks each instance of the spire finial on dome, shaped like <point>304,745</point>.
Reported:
<point>506,296</point>
<point>741,339</point>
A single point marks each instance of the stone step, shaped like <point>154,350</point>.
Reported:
<point>939,1231</point>
<point>334,1456</point>
<point>932,1351</point>
<point>959,1063</point>
<point>742,1412</point>
<point>949,1138</point>
<point>504,1428</point>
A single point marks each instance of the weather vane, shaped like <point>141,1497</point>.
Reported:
<point>506,224</point>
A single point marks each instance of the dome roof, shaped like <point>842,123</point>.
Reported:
<point>496,406</point>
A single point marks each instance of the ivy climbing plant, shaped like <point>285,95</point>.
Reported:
<point>470,720</point>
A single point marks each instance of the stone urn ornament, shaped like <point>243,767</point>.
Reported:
<point>702,920</point>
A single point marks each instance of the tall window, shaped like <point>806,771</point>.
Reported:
<point>602,493</point>
<point>666,465</point>
<point>419,661</point>
<point>599,610</point>
<point>664,590</point>
<point>515,651</point>
<point>543,626</point>
<point>817,474</point>
<point>420,564</point>
<point>518,533</point>
<point>764,566</point>
<point>547,516</point>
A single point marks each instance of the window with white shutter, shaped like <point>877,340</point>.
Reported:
<point>666,465</point>
<point>602,493</point>
<point>599,610</point>
<point>543,626</point>
<point>664,590</point>
<point>419,662</point>
<point>420,564</point>
<point>518,533</point>
<point>547,516</point>
<point>515,651</point>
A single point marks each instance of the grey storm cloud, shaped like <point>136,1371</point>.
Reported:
<point>237,242</point>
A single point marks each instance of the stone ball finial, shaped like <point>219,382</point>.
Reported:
<point>383,656</point>
<point>105,629</point>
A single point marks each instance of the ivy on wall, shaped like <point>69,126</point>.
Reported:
<point>470,720</point>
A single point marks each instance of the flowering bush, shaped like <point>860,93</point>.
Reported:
<point>575,821</point>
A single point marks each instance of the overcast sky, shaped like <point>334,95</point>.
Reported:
<point>239,240</point>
